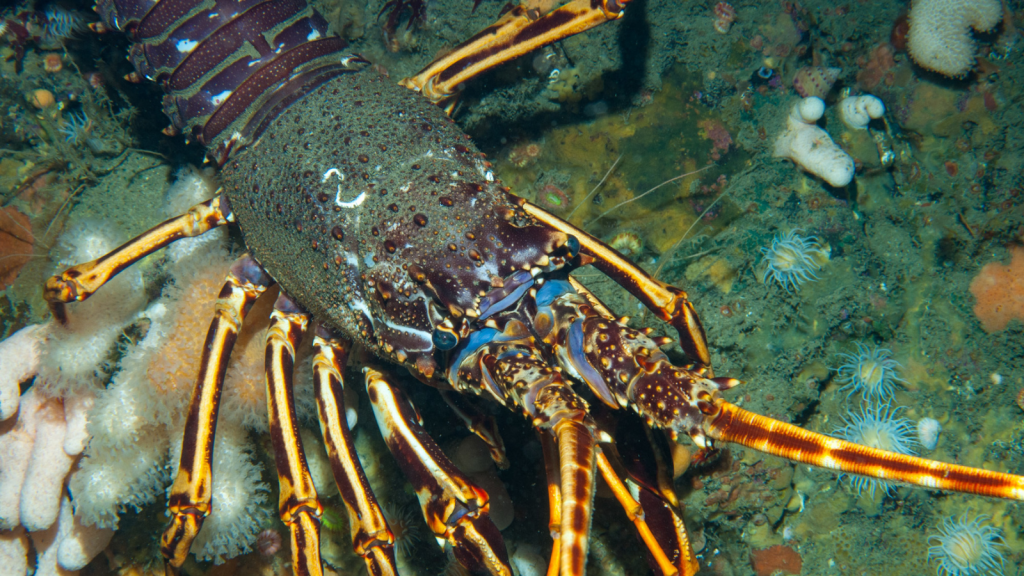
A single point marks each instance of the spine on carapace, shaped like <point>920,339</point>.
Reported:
<point>228,67</point>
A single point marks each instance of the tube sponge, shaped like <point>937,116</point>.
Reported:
<point>19,356</point>
<point>47,467</point>
<point>14,551</point>
<point>810,147</point>
<point>858,111</point>
<point>939,38</point>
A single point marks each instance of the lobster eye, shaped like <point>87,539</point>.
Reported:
<point>443,339</point>
<point>573,246</point>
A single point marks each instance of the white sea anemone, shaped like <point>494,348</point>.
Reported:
<point>878,428</point>
<point>239,497</point>
<point>871,372</point>
<point>967,548</point>
<point>404,523</point>
<point>75,357</point>
<point>793,259</point>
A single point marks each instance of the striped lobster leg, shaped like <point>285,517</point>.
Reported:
<point>298,505</point>
<point>642,457</point>
<point>371,537</point>
<point>456,510</point>
<point>79,282</point>
<point>509,366</point>
<point>518,32</point>
<point>190,495</point>
<point>554,482</point>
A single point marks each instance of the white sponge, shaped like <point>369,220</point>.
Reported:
<point>810,147</point>
<point>858,111</point>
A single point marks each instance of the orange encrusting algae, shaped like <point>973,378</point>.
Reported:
<point>999,291</point>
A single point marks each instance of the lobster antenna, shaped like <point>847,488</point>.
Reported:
<point>668,254</point>
<point>587,197</point>
<point>635,198</point>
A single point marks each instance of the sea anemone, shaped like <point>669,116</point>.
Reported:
<point>238,499</point>
<point>871,371</point>
<point>553,198</point>
<point>76,128</point>
<point>268,542</point>
<point>965,548</point>
<point>629,244</point>
<point>403,522</point>
<point>52,62</point>
<point>878,428</point>
<point>792,259</point>
<point>928,430</point>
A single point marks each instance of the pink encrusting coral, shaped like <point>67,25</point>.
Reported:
<point>999,292</point>
<point>720,138</point>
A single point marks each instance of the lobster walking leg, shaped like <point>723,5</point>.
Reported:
<point>189,499</point>
<point>643,454</point>
<point>511,363</point>
<point>554,499</point>
<point>371,537</point>
<point>457,511</point>
<point>79,282</point>
<point>480,424</point>
<point>636,514</point>
<point>515,34</point>
<point>298,505</point>
<point>669,303</point>
<point>576,454</point>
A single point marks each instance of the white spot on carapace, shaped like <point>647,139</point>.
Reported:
<point>313,35</point>
<point>407,330</point>
<point>213,15</point>
<point>361,306</point>
<point>333,172</point>
<point>354,203</point>
<point>220,98</point>
<point>185,46</point>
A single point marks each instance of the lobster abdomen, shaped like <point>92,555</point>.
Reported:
<point>228,67</point>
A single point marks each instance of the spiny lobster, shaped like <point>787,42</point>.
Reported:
<point>383,223</point>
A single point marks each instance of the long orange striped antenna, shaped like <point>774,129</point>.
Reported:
<point>734,424</point>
